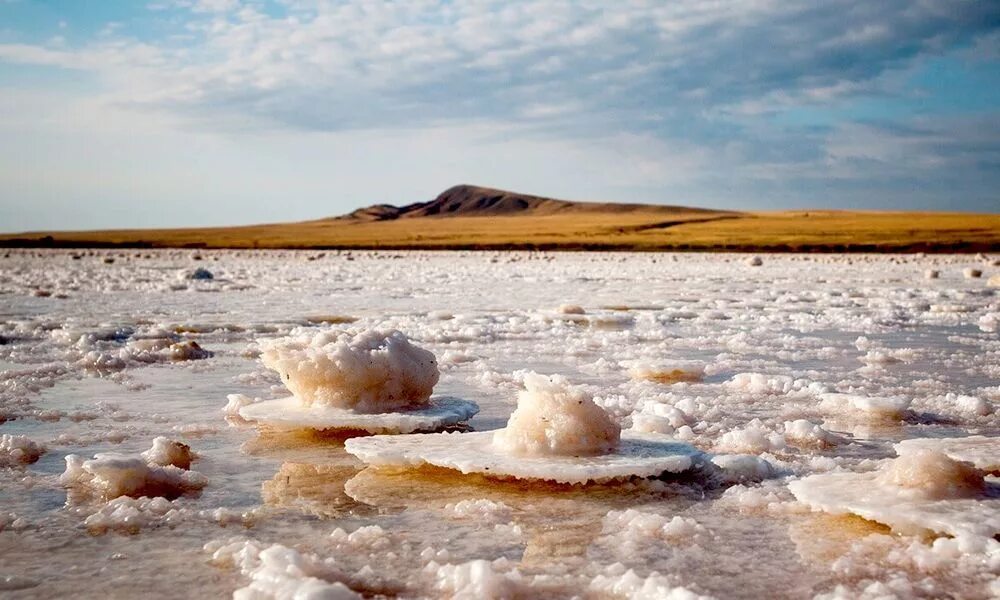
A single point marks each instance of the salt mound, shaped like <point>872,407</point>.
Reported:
<point>971,273</point>
<point>932,474</point>
<point>571,309</point>
<point>370,371</point>
<point>16,450</point>
<point>166,452</point>
<point>290,414</point>
<point>981,451</point>
<point>854,407</point>
<point>993,281</point>
<point>919,492</point>
<point>754,261</point>
<point>555,418</point>
<point>156,472</point>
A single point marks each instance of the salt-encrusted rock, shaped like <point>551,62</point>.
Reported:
<point>971,273</point>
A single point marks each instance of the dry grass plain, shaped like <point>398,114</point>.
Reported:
<point>815,231</point>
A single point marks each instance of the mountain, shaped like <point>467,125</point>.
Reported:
<point>475,201</point>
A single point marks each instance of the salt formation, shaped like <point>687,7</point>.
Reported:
<point>993,281</point>
<point>375,381</point>
<point>932,274</point>
<point>680,371</point>
<point>160,471</point>
<point>853,407</point>
<point>971,273</point>
<point>754,261</point>
<point>571,309</point>
<point>368,371</point>
<point>556,433</point>
<point>198,274</point>
<point>921,491</point>
<point>554,418</point>
<point>17,450</point>
<point>980,451</point>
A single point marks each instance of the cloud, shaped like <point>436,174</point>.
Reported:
<point>671,94</point>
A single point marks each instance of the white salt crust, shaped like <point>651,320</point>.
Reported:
<point>156,472</point>
<point>367,371</point>
<point>983,452</point>
<point>917,493</point>
<point>290,414</point>
<point>637,455</point>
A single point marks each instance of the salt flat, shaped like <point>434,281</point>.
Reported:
<point>805,365</point>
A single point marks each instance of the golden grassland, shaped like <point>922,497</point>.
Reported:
<point>638,230</point>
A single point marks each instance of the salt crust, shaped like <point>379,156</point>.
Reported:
<point>289,413</point>
<point>919,492</point>
<point>367,371</point>
<point>281,573</point>
<point>637,455</point>
<point>983,452</point>
<point>18,450</point>
<point>156,472</point>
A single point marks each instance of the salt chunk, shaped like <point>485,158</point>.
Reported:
<point>983,452</point>
<point>970,273</point>
<point>808,434</point>
<point>571,309</point>
<point>742,468</point>
<point>754,438</point>
<point>754,261</point>
<point>17,450</point>
<point>368,371</point>
<point>629,585</point>
<point>554,418</point>
<point>237,401</point>
<point>167,452</point>
<point>471,581</point>
<point>111,474</point>
<point>919,492</point>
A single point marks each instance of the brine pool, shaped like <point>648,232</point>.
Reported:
<point>96,355</point>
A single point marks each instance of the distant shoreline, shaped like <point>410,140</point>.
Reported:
<point>776,248</point>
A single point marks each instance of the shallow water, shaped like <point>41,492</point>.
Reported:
<point>74,378</point>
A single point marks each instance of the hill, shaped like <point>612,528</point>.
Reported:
<point>470,217</point>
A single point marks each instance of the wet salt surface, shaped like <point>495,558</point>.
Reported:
<point>102,366</point>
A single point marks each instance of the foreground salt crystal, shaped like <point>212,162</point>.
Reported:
<point>983,452</point>
<point>374,381</point>
<point>160,471</point>
<point>921,491</point>
<point>556,433</point>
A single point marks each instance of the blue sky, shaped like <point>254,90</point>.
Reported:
<point>203,112</point>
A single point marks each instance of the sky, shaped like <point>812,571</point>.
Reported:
<point>211,112</point>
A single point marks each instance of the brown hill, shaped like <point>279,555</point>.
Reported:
<point>473,201</point>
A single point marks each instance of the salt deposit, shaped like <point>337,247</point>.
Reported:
<point>16,450</point>
<point>367,371</point>
<point>373,381</point>
<point>289,413</point>
<point>921,491</point>
<point>554,418</point>
<point>100,358</point>
<point>156,472</point>
<point>982,452</point>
